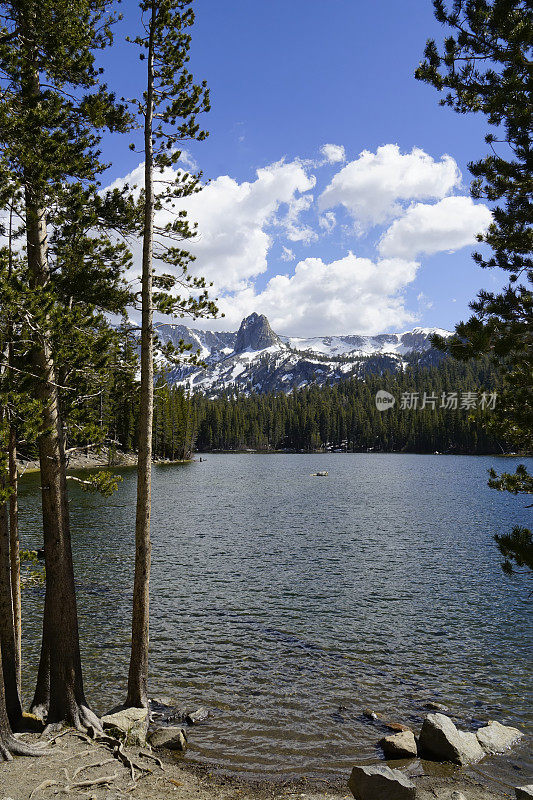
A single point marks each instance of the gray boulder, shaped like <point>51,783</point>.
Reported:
<point>129,724</point>
<point>497,738</point>
<point>171,738</point>
<point>195,717</point>
<point>167,702</point>
<point>442,741</point>
<point>378,782</point>
<point>524,792</point>
<point>399,745</point>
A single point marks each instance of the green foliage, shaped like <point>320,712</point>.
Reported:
<point>176,103</point>
<point>53,107</point>
<point>486,66</point>
<point>32,572</point>
<point>102,482</point>
<point>179,99</point>
<point>18,408</point>
<point>517,549</point>
<point>517,482</point>
<point>45,141</point>
<point>174,425</point>
<point>342,416</point>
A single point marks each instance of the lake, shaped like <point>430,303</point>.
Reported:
<point>288,604</point>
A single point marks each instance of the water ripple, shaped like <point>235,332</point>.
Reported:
<point>288,605</point>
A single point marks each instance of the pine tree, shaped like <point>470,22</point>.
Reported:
<point>168,110</point>
<point>486,66</point>
<point>10,399</point>
<point>50,109</point>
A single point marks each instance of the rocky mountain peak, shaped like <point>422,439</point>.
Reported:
<point>255,333</point>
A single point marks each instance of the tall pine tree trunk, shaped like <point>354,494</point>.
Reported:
<point>60,665</point>
<point>14,543</point>
<point>9,746</point>
<point>7,630</point>
<point>138,670</point>
<point>14,547</point>
<point>60,646</point>
<point>10,684</point>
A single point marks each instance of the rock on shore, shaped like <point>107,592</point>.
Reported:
<point>399,745</point>
<point>441,740</point>
<point>497,738</point>
<point>130,724</point>
<point>171,738</point>
<point>379,782</point>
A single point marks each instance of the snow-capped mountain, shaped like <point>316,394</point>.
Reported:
<point>255,359</point>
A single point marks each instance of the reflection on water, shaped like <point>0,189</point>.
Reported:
<point>288,604</point>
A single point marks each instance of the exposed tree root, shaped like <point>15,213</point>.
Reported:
<point>105,780</point>
<point>82,720</point>
<point>128,763</point>
<point>89,721</point>
<point>91,766</point>
<point>43,785</point>
<point>23,749</point>
<point>153,758</point>
<point>59,735</point>
<point>83,753</point>
<point>5,754</point>
<point>53,728</point>
<point>9,747</point>
<point>118,753</point>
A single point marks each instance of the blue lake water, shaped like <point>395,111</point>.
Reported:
<point>288,604</point>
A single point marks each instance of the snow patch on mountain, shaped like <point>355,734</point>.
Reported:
<point>255,359</point>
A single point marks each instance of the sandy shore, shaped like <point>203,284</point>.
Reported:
<point>78,768</point>
<point>85,459</point>
<point>91,459</point>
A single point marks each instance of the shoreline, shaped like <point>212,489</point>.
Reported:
<point>95,460</point>
<point>71,762</point>
<point>100,460</point>
<point>249,452</point>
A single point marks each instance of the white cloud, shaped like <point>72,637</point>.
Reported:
<point>287,254</point>
<point>188,161</point>
<point>333,153</point>
<point>350,295</point>
<point>373,186</point>
<point>238,224</point>
<point>424,301</point>
<point>294,230</point>
<point>327,221</point>
<point>236,220</point>
<point>445,226</point>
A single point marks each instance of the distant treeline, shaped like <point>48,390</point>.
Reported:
<point>343,416</point>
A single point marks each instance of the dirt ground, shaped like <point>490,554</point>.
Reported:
<point>79,768</point>
<point>85,459</point>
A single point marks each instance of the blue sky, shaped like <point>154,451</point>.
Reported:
<point>324,240</point>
